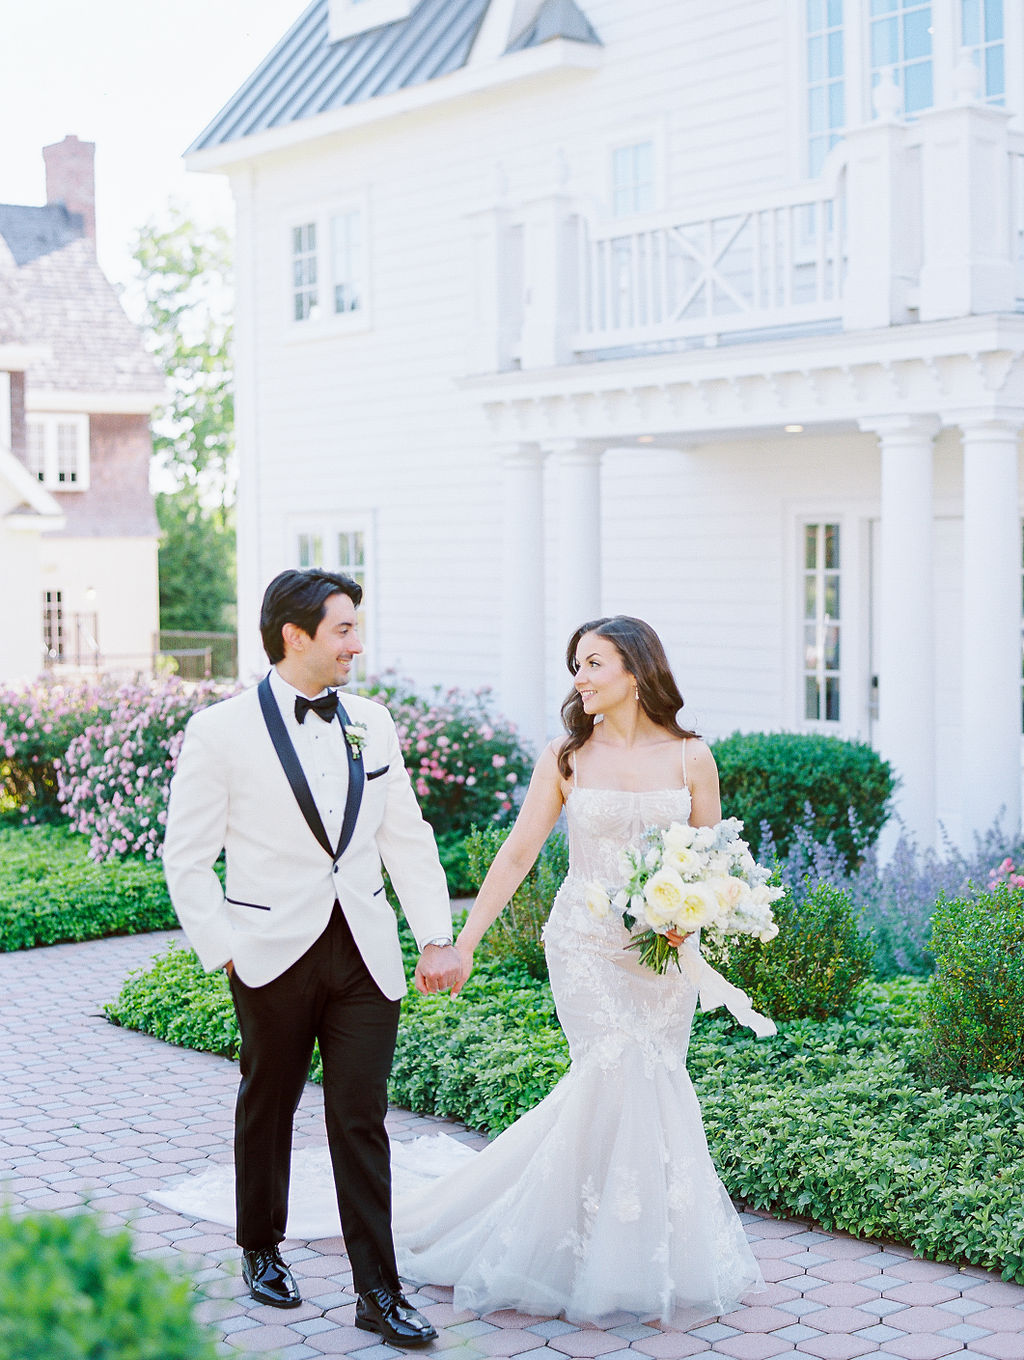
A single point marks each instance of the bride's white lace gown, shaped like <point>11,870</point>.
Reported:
<point>603,1197</point>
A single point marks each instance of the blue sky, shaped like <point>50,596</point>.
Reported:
<point>140,78</point>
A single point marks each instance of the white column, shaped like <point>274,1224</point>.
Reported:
<point>522,590</point>
<point>990,738</point>
<point>906,667</point>
<point>578,532</point>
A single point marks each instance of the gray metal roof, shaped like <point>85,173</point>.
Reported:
<point>556,19</point>
<point>32,232</point>
<point>307,74</point>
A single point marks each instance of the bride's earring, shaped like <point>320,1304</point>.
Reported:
<point>636,693</point>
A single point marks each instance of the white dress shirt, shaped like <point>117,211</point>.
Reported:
<point>320,747</point>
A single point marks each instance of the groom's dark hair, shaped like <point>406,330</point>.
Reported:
<point>299,597</point>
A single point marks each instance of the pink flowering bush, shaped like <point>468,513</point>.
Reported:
<point>1006,872</point>
<point>115,776</point>
<point>37,722</point>
<point>466,765</point>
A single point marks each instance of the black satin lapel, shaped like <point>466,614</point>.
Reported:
<point>290,763</point>
<point>356,783</point>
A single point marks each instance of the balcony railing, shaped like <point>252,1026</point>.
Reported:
<point>754,268</point>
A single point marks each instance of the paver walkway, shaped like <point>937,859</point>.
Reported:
<point>87,1109</point>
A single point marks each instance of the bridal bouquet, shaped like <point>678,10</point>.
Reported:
<point>687,878</point>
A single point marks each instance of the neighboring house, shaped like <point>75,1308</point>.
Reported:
<point>78,532</point>
<point>704,312</point>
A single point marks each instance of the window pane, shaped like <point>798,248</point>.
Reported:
<point>836,106</point>
<point>970,23</point>
<point>835,13</point>
<point>917,40</point>
<point>832,597</point>
<point>995,76</point>
<point>815,15</point>
<point>835,54</point>
<point>917,84</point>
<point>883,6</point>
<point>816,109</point>
<point>810,597</point>
<point>832,649</point>
<point>810,545</point>
<point>885,47</point>
<point>832,546</point>
<point>815,58</point>
<point>811,707</point>
<point>832,698</point>
<point>993,20</point>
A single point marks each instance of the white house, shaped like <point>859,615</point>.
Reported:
<point>709,313</point>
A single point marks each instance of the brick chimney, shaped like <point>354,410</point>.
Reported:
<point>71,179</point>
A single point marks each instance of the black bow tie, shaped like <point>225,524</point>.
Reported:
<point>325,707</point>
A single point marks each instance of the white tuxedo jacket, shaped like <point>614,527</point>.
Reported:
<point>230,791</point>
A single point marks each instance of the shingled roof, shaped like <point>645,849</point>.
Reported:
<point>53,293</point>
<point>307,74</point>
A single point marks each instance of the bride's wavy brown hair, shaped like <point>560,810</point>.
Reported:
<point>644,658</point>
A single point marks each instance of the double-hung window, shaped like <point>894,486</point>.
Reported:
<point>900,40</point>
<point>57,450</point>
<point>341,544</point>
<point>328,279</point>
<point>633,175</point>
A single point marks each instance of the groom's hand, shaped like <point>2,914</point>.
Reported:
<point>439,968</point>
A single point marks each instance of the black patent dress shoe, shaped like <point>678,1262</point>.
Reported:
<point>390,1314</point>
<point>269,1279</point>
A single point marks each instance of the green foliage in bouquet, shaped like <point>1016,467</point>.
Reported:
<point>974,1011</point>
<point>814,965</point>
<point>515,936</point>
<point>773,776</point>
<point>70,1292</point>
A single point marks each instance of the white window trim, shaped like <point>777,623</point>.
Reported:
<point>328,524</point>
<point>328,323</point>
<point>49,421</point>
<point>348,17</point>
<point>854,520</point>
<point>655,133</point>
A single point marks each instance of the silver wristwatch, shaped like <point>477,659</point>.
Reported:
<point>442,940</point>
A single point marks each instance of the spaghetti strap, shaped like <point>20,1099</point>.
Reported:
<point>685,785</point>
<point>573,764</point>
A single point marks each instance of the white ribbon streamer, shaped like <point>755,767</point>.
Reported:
<point>715,991</point>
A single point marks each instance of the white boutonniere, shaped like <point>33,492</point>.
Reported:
<point>356,735</point>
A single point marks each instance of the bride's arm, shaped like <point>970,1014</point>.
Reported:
<point>515,859</point>
<point>702,772</point>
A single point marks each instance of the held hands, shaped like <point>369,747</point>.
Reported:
<point>438,969</point>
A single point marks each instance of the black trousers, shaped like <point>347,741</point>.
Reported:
<point>326,995</point>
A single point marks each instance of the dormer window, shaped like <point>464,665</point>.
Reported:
<point>57,450</point>
<point>349,17</point>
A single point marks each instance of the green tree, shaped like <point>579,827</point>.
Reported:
<point>197,564</point>
<point>182,298</point>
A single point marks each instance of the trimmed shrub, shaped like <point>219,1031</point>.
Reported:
<point>515,937</point>
<point>36,724</point>
<point>71,1292</point>
<point>787,779</point>
<point>814,965</point>
<point>827,1119</point>
<point>51,891</point>
<point>466,764</point>
<point>974,1011</point>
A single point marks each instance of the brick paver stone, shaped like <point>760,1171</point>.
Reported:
<point>90,1111</point>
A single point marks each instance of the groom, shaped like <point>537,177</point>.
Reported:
<point>307,796</point>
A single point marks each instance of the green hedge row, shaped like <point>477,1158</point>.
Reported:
<point>52,892</point>
<point>832,1120</point>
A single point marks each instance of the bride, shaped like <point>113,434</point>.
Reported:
<point>603,1197</point>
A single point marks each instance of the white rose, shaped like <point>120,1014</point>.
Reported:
<point>685,862</point>
<point>703,837</point>
<point>730,891</point>
<point>769,933</point>
<point>679,836</point>
<point>597,900</point>
<point>663,895</point>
